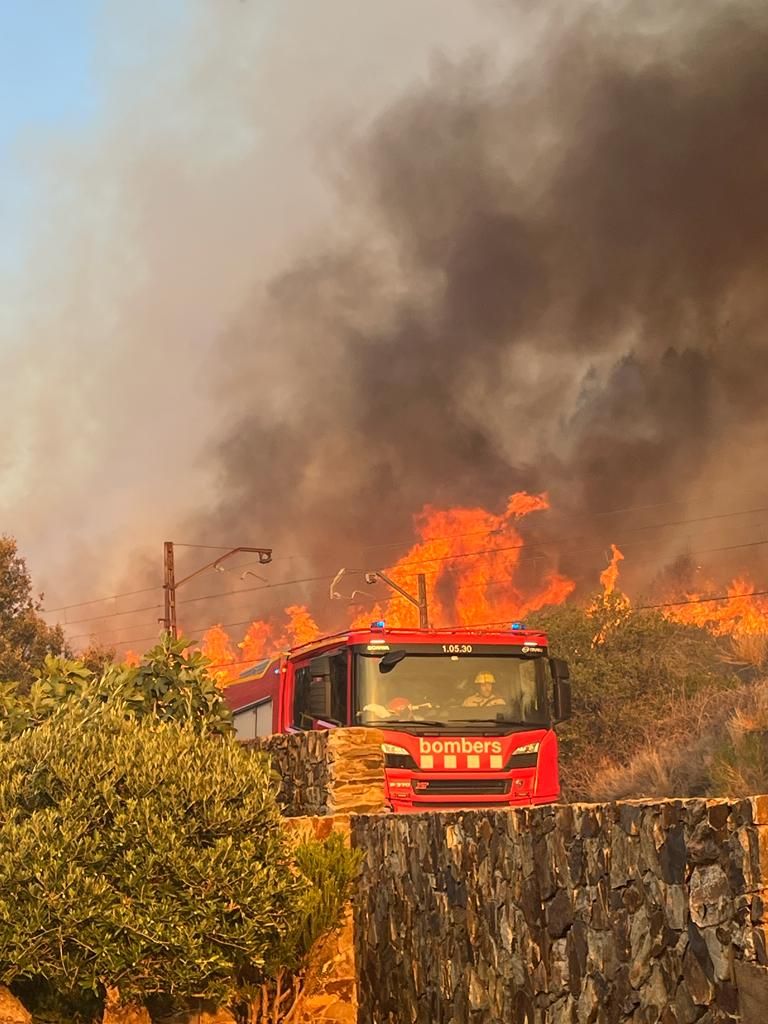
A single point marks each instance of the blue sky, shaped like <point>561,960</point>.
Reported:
<point>55,60</point>
<point>46,65</point>
<point>47,85</point>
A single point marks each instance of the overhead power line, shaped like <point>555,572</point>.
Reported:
<point>416,564</point>
<point>702,600</point>
<point>99,600</point>
<point>113,615</point>
<point>317,579</point>
<point>484,533</point>
<point>108,638</point>
<point>495,622</point>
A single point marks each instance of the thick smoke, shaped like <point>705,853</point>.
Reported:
<point>543,269</point>
<point>550,278</point>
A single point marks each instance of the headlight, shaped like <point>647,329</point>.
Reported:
<point>528,748</point>
<point>392,748</point>
<point>398,757</point>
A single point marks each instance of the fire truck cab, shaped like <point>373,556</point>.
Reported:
<point>467,715</point>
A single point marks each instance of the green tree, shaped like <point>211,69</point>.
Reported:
<point>172,683</point>
<point>25,637</point>
<point>97,656</point>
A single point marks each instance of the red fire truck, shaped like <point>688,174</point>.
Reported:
<point>467,715</point>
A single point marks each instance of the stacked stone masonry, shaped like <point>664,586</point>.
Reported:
<point>300,764</point>
<point>586,914</point>
<point>327,772</point>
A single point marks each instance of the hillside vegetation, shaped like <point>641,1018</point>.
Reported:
<point>660,708</point>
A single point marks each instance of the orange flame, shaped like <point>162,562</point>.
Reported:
<point>260,639</point>
<point>257,640</point>
<point>609,576</point>
<point>131,659</point>
<point>471,560</point>
<point>217,647</point>
<point>301,629</point>
<point>476,574</point>
<point>742,613</point>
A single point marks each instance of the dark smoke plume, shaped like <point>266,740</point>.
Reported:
<point>555,281</point>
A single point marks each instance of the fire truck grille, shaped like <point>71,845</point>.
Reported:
<point>462,787</point>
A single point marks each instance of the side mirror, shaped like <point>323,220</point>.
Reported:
<point>561,679</point>
<point>559,668</point>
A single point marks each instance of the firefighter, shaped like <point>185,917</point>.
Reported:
<point>485,697</point>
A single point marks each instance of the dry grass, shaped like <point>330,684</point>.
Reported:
<point>741,766</point>
<point>749,650</point>
<point>673,757</point>
<point>715,744</point>
<point>654,773</point>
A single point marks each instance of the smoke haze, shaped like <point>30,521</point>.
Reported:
<point>200,175</point>
<point>556,283</point>
<point>321,268</point>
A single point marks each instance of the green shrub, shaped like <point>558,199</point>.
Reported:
<point>171,684</point>
<point>329,867</point>
<point>638,679</point>
<point>150,857</point>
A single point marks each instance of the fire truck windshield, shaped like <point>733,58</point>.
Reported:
<point>447,689</point>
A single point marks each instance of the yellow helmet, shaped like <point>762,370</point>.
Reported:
<point>485,677</point>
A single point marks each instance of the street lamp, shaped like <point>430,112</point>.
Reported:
<point>171,584</point>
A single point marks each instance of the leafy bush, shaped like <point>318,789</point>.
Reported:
<point>330,868</point>
<point>150,857</point>
<point>171,684</point>
<point>639,681</point>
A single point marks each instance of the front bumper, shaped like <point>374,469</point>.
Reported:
<point>410,791</point>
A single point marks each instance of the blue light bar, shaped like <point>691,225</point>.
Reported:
<point>518,625</point>
<point>379,624</point>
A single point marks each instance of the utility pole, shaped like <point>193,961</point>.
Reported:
<point>422,605</point>
<point>171,584</point>
<point>419,602</point>
<point>169,589</point>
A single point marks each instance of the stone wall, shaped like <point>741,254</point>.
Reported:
<point>640,913</point>
<point>327,772</point>
<point>356,772</point>
<point>300,761</point>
